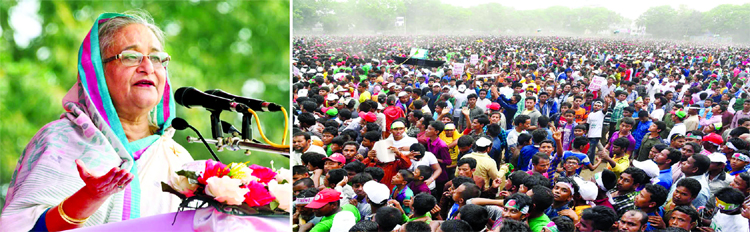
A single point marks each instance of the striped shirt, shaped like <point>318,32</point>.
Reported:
<point>617,112</point>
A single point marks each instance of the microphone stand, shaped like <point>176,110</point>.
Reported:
<point>216,129</point>
<point>236,143</point>
<point>204,141</point>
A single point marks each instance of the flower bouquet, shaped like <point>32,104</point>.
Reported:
<point>235,189</point>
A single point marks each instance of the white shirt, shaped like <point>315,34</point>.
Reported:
<point>343,221</point>
<point>679,128</point>
<point>483,103</point>
<point>427,160</point>
<point>297,157</point>
<point>658,114</point>
<point>730,223</point>
<point>513,137</point>
<point>406,141</point>
<point>608,89</point>
<point>595,121</point>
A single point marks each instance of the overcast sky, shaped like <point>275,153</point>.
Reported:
<point>630,9</point>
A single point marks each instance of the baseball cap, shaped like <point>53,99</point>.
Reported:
<point>648,166</point>
<point>587,189</point>
<point>436,85</point>
<point>717,157</point>
<point>332,97</point>
<point>370,117</point>
<point>401,94</point>
<point>680,114</point>
<point>483,142</point>
<point>324,197</point>
<point>377,192</point>
<point>461,88</point>
<point>336,157</point>
<point>713,138</point>
<point>449,126</point>
<point>494,106</point>
<point>332,111</point>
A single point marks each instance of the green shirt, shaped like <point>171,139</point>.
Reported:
<point>646,145</point>
<point>326,222</point>
<point>427,215</point>
<point>538,223</point>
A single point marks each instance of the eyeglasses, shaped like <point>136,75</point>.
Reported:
<point>133,58</point>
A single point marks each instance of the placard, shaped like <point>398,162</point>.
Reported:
<point>597,82</point>
<point>474,59</point>
<point>384,154</point>
<point>458,68</point>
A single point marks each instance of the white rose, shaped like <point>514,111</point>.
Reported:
<point>282,192</point>
<point>226,189</point>
<point>284,174</point>
<point>182,184</point>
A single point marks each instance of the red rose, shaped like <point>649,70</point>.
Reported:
<point>258,195</point>
<point>213,168</point>
<point>263,173</point>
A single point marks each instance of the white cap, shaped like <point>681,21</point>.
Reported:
<point>402,93</point>
<point>648,166</point>
<point>391,85</point>
<point>461,88</point>
<point>377,192</point>
<point>332,97</point>
<point>587,189</point>
<point>483,142</point>
<point>717,158</point>
<point>302,93</point>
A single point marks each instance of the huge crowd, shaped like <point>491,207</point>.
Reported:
<point>520,134</point>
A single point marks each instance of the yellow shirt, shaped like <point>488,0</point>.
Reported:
<point>621,164</point>
<point>486,167</point>
<point>453,151</point>
<point>364,96</point>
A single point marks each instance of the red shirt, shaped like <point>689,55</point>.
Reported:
<point>389,169</point>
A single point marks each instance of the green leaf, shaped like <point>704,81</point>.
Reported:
<point>188,174</point>
<point>274,204</point>
<point>166,188</point>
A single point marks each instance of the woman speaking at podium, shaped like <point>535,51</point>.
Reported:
<point>104,159</point>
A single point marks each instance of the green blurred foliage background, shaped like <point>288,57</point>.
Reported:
<point>241,47</point>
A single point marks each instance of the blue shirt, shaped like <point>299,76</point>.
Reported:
<point>508,109</point>
<point>665,178</point>
<point>640,131</point>
<point>583,159</point>
<point>524,158</point>
<point>648,224</point>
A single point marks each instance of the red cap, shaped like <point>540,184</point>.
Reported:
<point>493,106</point>
<point>713,138</point>
<point>324,197</point>
<point>336,157</point>
<point>369,117</point>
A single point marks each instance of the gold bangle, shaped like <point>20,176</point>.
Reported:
<point>67,218</point>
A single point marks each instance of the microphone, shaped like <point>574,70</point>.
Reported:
<point>254,104</point>
<point>181,124</point>
<point>190,96</point>
<point>229,128</point>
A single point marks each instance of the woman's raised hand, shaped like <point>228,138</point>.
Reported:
<point>105,185</point>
